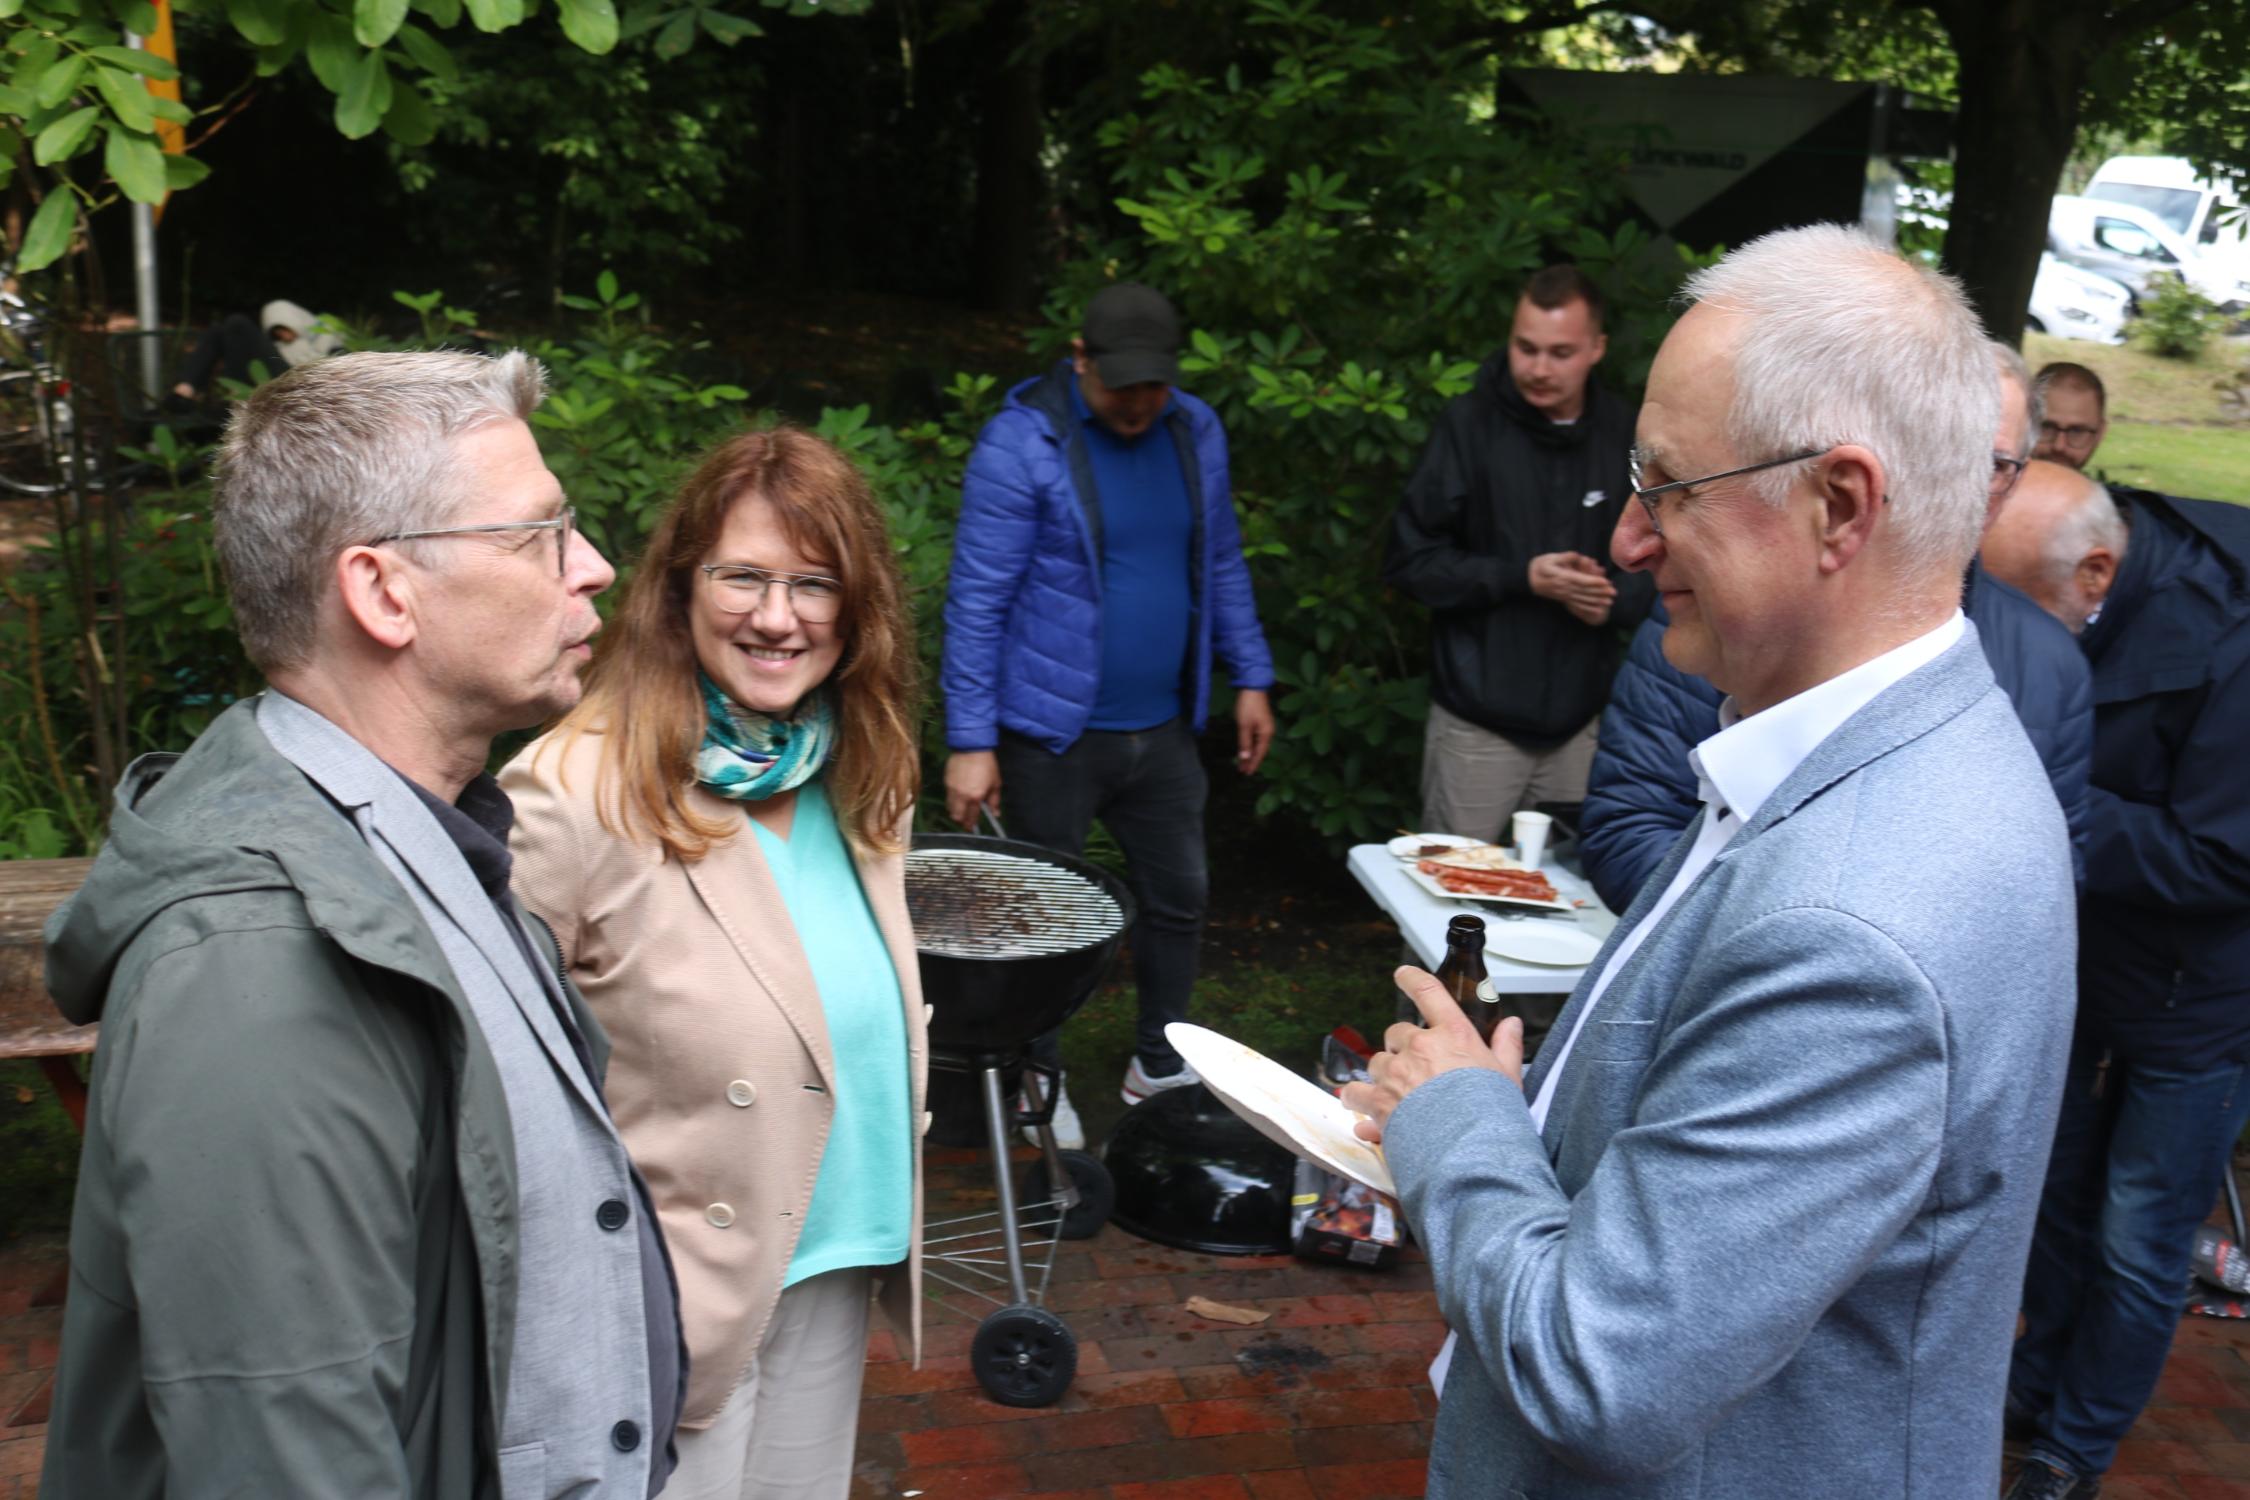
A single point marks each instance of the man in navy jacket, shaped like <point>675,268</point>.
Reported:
<point>1641,793</point>
<point>1097,574</point>
<point>2163,961</point>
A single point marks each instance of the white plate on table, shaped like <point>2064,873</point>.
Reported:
<point>1561,945</point>
<point>1287,1108</point>
<point>1411,845</point>
<point>1429,883</point>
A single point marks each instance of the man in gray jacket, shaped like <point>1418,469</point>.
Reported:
<point>1752,1227</point>
<point>352,1219</point>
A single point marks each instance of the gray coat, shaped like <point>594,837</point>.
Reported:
<point>294,1248</point>
<point>1772,1240</point>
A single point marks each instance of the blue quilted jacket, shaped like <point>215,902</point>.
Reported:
<point>1023,612</point>
<point>1641,792</point>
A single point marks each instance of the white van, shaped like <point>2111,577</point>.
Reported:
<point>2208,215</point>
<point>2134,246</point>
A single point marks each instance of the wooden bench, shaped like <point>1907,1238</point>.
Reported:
<point>30,1026</point>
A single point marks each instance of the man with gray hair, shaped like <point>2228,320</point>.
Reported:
<point>2059,541</point>
<point>1750,1226</point>
<point>352,1218</point>
<point>2158,590</point>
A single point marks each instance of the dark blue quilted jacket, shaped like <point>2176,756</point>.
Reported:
<point>1023,612</point>
<point>1641,793</point>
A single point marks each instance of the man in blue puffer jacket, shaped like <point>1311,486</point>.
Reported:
<point>1097,573</point>
<point>1642,792</point>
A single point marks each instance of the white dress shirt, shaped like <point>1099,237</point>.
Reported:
<point>1739,768</point>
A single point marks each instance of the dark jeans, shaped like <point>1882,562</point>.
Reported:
<point>1147,787</point>
<point>2134,1171</point>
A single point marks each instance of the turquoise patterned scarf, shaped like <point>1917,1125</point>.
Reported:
<point>748,756</point>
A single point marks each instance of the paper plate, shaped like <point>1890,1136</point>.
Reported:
<point>1289,1110</point>
<point>1411,845</point>
<point>1562,945</point>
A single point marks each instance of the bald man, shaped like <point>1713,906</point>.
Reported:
<point>2059,539</point>
<point>2158,591</point>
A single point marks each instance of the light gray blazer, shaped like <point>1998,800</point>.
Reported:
<point>579,1361</point>
<point>1772,1240</point>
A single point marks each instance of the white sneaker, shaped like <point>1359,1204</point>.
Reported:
<point>1139,1083</point>
<point>1070,1135</point>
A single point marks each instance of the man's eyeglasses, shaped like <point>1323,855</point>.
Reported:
<point>738,590</point>
<point>2006,470</point>
<point>2073,436</point>
<point>563,526</point>
<point>1649,494</point>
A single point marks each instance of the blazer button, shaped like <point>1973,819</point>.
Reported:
<point>613,1214</point>
<point>720,1215</point>
<point>625,1436</point>
<point>742,1093</point>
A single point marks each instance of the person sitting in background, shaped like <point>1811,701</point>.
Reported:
<point>717,836</point>
<point>2060,542</point>
<point>2077,414</point>
<point>1642,792</point>
<point>284,337</point>
<point>2158,590</point>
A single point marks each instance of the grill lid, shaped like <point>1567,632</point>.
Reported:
<point>978,903</point>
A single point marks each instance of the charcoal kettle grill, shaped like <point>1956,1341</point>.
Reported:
<point>1012,939</point>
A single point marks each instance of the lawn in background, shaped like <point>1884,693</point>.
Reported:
<point>2167,430</point>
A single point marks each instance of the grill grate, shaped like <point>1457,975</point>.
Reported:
<point>974,903</point>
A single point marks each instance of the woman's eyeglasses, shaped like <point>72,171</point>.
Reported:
<point>738,590</point>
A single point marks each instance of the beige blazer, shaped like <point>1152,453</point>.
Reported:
<point>720,1076</point>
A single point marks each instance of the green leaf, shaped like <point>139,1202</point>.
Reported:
<point>136,164</point>
<point>15,102</point>
<point>366,97</point>
<point>169,109</point>
<point>495,15</point>
<point>332,53</point>
<point>592,24</point>
<point>375,22</point>
<point>428,53</point>
<point>134,60</point>
<point>727,30</point>
<point>677,36</point>
<point>410,120</point>
<point>605,286</point>
<point>128,99</point>
<point>8,8</point>
<point>59,82</point>
<point>62,139</point>
<point>183,172</point>
<point>261,22</point>
<point>138,16</point>
<point>49,235</point>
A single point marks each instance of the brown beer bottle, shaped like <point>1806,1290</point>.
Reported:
<point>1460,971</point>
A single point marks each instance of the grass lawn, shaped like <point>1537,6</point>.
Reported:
<point>2143,387</point>
<point>2209,463</point>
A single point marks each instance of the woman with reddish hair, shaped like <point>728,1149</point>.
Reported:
<point>717,836</point>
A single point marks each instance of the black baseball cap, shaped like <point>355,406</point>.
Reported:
<point>1132,335</point>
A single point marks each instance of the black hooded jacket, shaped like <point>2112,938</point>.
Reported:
<point>1499,485</point>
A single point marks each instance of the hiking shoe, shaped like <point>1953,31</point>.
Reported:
<point>1140,1083</point>
<point>2042,1480</point>
<point>1070,1134</point>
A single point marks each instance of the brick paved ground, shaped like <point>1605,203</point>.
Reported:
<point>1326,1401</point>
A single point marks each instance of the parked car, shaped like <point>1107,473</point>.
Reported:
<point>2134,246</point>
<point>2074,304</point>
<point>2208,215</point>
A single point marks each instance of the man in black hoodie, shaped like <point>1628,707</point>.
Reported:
<point>1504,536</point>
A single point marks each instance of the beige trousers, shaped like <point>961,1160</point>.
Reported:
<point>787,1431</point>
<point>1474,781</point>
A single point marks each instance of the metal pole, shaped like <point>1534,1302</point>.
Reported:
<point>144,288</point>
<point>996,1126</point>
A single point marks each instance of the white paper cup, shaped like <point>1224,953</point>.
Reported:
<point>1531,837</point>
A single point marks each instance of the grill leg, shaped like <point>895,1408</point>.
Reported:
<point>1011,1234</point>
<point>1059,1184</point>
